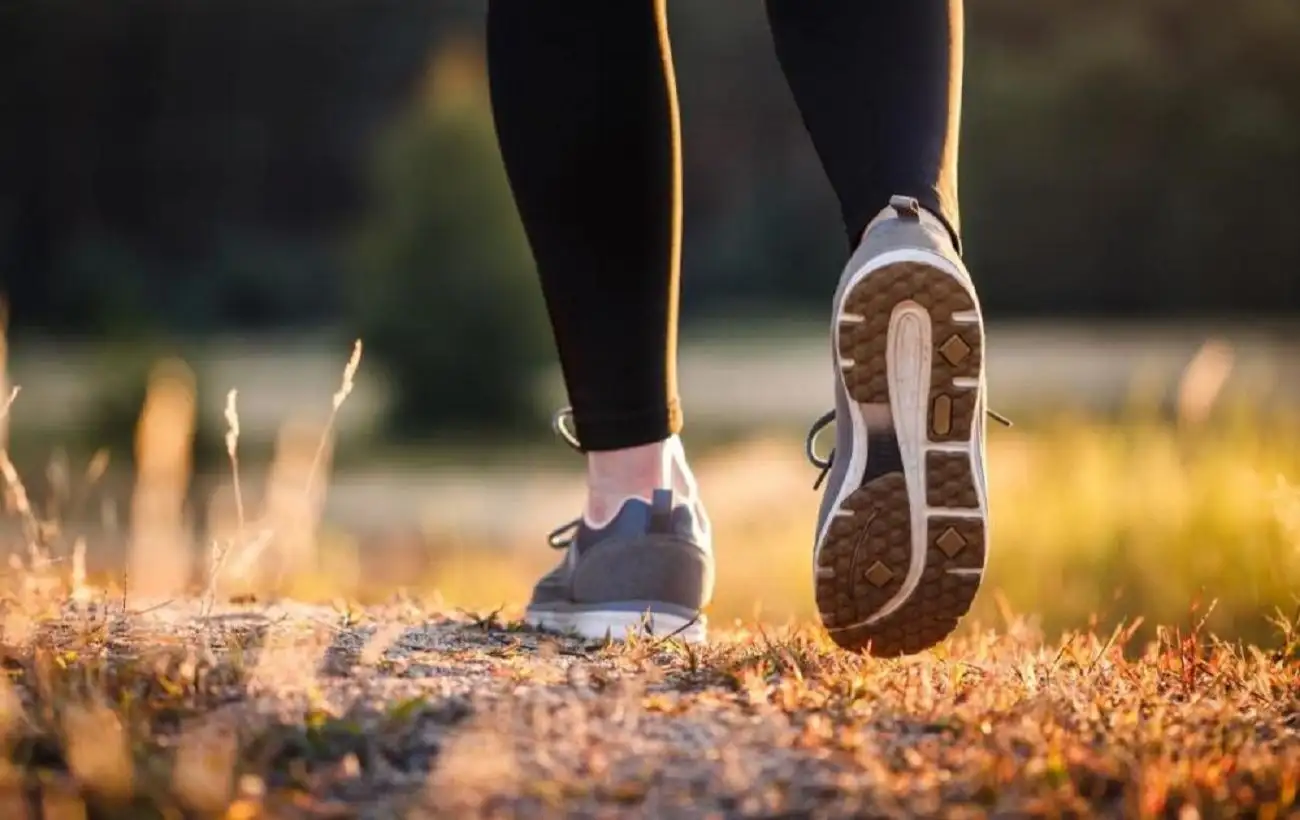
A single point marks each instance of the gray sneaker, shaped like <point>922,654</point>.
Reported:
<point>649,571</point>
<point>903,527</point>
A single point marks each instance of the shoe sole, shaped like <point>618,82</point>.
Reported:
<point>615,625</point>
<point>900,558</point>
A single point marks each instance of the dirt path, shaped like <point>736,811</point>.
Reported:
<point>305,711</point>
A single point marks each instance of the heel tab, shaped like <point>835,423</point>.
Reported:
<point>906,207</point>
<point>661,511</point>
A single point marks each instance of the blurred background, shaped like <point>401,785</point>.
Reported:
<point>200,197</point>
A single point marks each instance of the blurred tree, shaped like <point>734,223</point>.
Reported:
<point>190,164</point>
<point>1134,158</point>
<point>441,274</point>
<point>183,164</point>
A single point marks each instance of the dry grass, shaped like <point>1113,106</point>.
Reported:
<point>1092,521</point>
<point>184,703</point>
<point>401,711</point>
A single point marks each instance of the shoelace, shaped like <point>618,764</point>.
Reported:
<point>561,538</point>
<point>824,464</point>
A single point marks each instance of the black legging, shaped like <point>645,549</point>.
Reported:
<point>585,103</point>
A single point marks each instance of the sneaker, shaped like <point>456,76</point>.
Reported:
<point>649,571</point>
<point>903,528</point>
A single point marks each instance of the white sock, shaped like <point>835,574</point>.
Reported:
<point>614,476</point>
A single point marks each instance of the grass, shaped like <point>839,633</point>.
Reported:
<point>1092,522</point>
<point>402,711</point>
<point>1136,653</point>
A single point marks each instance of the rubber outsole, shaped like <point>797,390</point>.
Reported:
<point>901,560</point>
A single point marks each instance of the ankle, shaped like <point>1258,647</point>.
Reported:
<point>616,476</point>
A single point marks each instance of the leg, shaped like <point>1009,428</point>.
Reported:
<point>586,113</point>
<point>585,105</point>
<point>901,536</point>
<point>879,88</point>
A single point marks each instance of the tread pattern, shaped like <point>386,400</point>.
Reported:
<point>867,551</point>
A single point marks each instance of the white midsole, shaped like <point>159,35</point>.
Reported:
<point>597,625</point>
<point>908,361</point>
